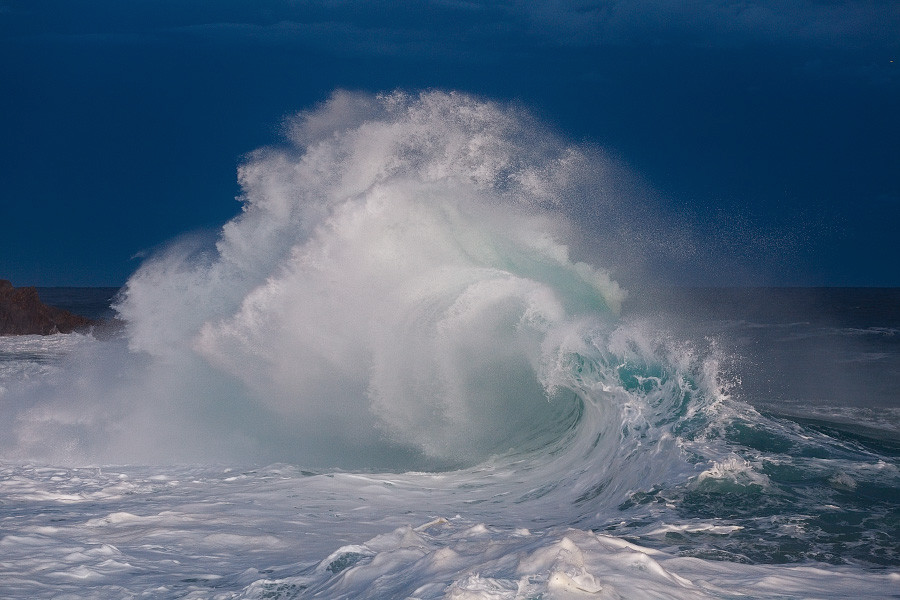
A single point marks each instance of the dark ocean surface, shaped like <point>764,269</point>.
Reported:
<point>794,347</point>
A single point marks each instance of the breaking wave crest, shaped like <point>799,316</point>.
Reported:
<point>406,291</point>
<point>400,291</point>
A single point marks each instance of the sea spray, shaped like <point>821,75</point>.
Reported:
<point>404,269</point>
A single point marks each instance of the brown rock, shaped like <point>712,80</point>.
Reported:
<point>23,313</point>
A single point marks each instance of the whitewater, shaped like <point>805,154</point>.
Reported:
<point>405,370</point>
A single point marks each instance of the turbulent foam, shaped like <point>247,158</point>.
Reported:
<point>132,532</point>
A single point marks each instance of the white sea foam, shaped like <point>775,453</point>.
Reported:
<point>277,533</point>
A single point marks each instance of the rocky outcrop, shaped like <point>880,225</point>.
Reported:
<point>23,313</point>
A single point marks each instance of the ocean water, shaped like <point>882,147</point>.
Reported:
<point>404,371</point>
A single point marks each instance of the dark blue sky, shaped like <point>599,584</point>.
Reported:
<point>772,129</point>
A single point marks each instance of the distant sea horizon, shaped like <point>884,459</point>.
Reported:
<point>803,345</point>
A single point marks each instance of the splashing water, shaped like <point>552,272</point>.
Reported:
<point>400,294</point>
